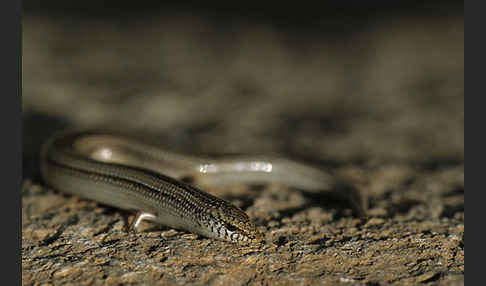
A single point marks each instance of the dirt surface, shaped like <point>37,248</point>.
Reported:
<point>381,108</point>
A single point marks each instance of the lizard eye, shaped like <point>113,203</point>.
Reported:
<point>231,227</point>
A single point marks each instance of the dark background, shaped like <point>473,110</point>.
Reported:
<point>308,20</point>
<point>268,12</point>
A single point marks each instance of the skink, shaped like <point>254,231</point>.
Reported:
<point>133,175</point>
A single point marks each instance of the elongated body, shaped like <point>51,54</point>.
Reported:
<point>132,175</point>
<point>206,172</point>
<point>171,202</point>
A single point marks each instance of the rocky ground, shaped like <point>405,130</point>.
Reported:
<point>382,108</point>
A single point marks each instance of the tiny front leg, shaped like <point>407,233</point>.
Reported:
<point>139,217</point>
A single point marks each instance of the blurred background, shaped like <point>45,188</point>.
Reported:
<point>333,85</point>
